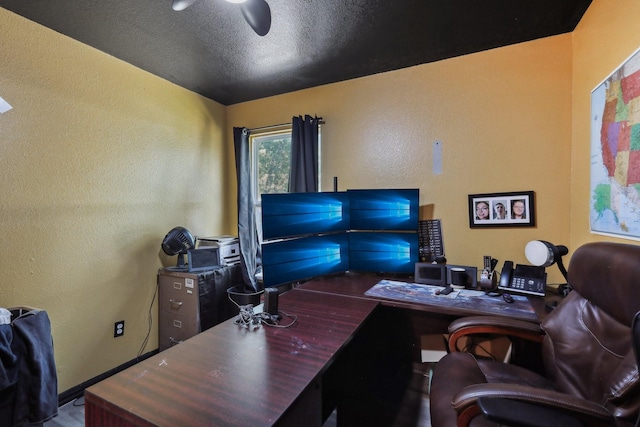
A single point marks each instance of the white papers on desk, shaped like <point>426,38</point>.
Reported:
<point>453,294</point>
<point>471,293</point>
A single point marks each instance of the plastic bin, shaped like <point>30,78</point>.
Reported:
<point>239,297</point>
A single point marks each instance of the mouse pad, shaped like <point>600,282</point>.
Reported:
<point>465,298</point>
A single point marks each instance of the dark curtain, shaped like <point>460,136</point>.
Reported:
<point>250,249</point>
<point>303,176</point>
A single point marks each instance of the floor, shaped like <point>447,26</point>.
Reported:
<point>414,411</point>
<point>69,415</point>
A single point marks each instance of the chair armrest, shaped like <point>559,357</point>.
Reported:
<point>475,325</point>
<point>466,402</point>
<point>512,413</point>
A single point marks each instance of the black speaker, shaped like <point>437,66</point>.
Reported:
<point>271,300</point>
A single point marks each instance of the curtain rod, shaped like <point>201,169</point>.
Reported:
<point>320,121</point>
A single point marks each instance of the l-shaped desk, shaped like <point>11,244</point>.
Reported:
<point>230,375</point>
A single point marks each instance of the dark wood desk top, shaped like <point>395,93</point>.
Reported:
<point>229,375</point>
<point>356,284</point>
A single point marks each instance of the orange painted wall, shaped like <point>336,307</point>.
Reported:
<point>503,116</point>
<point>606,36</point>
<point>98,161</point>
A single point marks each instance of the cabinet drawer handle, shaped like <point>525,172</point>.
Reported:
<point>176,303</point>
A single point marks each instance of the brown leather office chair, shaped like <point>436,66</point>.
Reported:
<point>589,367</point>
<point>635,330</point>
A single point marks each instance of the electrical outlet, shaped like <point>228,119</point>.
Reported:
<point>118,329</point>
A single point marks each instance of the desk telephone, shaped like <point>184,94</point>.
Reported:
<point>525,279</point>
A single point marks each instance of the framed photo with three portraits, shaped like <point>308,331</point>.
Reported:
<point>514,209</point>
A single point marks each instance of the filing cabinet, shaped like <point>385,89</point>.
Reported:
<point>191,302</point>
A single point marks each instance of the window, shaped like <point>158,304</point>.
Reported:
<point>270,162</point>
<point>270,165</point>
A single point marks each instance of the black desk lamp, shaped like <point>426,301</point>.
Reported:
<point>545,254</point>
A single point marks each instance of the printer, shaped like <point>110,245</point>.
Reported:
<point>228,248</point>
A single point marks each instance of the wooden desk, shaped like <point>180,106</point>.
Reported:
<point>418,319</point>
<point>356,284</point>
<point>231,376</point>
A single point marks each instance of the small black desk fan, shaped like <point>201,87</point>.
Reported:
<point>177,242</point>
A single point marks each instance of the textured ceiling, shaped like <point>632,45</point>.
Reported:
<point>209,48</point>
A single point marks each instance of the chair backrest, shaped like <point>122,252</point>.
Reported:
<point>635,333</point>
<point>588,349</point>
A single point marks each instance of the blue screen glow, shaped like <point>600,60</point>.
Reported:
<point>303,258</point>
<point>293,214</point>
<point>383,252</point>
<point>327,233</point>
<point>384,209</point>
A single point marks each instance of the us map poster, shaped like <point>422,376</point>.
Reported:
<point>615,152</point>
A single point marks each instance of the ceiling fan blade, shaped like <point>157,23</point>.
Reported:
<point>179,5</point>
<point>258,15</point>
